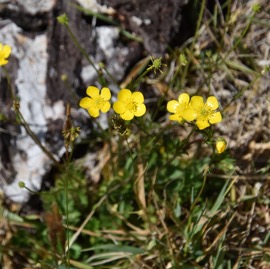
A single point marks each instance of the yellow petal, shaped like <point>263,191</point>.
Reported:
<point>119,107</point>
<point>106,107</point>
<point>176,117</point>
<point>141,109</point>
<point>92,91</point>
<point>127,115</point>
<point>105,94</point>
<point>86,102</point>
<point>172,106</point>
<point>94,112</point>
<point>215,118</point>
<point>202,124</point>
<point>189,114</point>
<point>6,50</point>
<point>3,61</point>
<point>124,95</point>
<point>197,102</point>
<point>138,97</point>
<point>183,98</point>
<point>212,102</point>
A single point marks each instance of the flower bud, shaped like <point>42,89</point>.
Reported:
<point>221,145</point>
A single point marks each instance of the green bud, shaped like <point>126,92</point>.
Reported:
<point>64,77</point>
<point>256,8</point>
<point>21,184</point>
<point>63,19</point>
<point>221,145</point>
<point>183,59</point>
<point>265,70</point>
<point>101,65</point>
<point>156,65</point>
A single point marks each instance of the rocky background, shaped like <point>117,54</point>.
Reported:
<point>47,70</point>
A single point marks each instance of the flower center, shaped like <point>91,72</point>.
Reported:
<point>99,102</point>
<point>132,106</point>
<point>205,112</point>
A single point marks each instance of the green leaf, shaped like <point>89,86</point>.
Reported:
<point>117,248</point>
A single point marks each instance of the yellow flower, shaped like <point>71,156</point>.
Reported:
<point>129,104</point>
<point>206,112</point>
<point>181,109</point>
<point>221,145</point>
<point>97,101</point>
<point>5,51</point>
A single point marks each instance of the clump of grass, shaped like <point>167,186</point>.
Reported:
<point>167,196</point>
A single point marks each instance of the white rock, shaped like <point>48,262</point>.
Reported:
<point>88,73</point>
<point>89,4</point>
<point>29,160</point>
<point>93,6</point>
<point>106,37</point>
<point>36,6</point>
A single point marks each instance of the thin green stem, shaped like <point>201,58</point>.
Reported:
<point>34,137</point>
<point>183,145</point>
<point>67,253</point>
<point>110,21</point>
<point>194,41</point>
<point>238,40</point>
<point>82,50</point>
<point>84,53</point>
<point>12,92</point>
<point>201,190</point>
<point>110,76</point>
<point>129,148</point>
<point>24,123</point>
<point>241,92</point>
<point>189,220</point>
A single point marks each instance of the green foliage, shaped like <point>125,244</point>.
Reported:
<point>72,179</point>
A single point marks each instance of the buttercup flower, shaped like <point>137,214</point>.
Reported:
<point>221,145</point>
<point>5,51</point>
<point>129,104</point>
<point>97,101</point>
<point>206,112</point>
<point>181,109</point>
